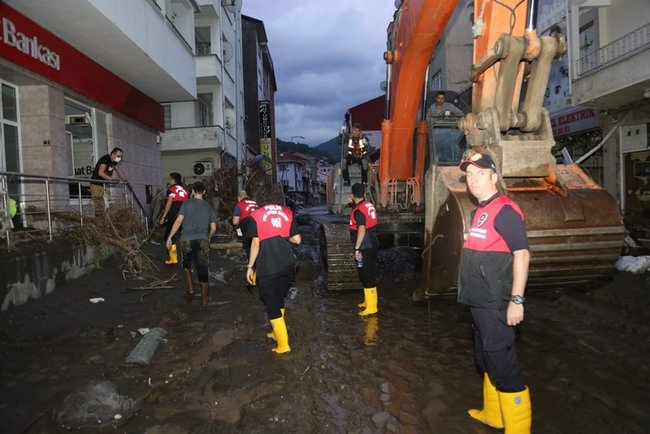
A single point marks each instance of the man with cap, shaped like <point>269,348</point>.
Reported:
<point>363,223</point>
<point>492,280</point>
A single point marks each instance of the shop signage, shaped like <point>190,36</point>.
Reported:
<point>28,45</point>
<point>32,47</point>
<point>266,147</point>
<point>574,121</point>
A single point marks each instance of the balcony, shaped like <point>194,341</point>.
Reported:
<point>208,70</point>
<point>617,74</point>
<point>195,138</point>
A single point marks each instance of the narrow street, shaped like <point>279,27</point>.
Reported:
<point>408,369</point>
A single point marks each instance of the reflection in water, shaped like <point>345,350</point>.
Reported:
<point>371,328</point>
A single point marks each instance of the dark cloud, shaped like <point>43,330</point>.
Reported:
<point>328,56</point>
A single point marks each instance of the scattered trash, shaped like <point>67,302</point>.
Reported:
<point>293,292</point>
<point>633,264</point>
<point>217,276</point>
<point>96,300</point>
<point>143,352</point>
<point>143,331</point>
<point>94,405</point>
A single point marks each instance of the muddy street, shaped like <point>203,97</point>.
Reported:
<point>408,369</point>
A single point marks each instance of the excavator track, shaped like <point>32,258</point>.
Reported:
<point>337,257</point>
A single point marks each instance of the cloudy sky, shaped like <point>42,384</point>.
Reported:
<point>328,56</point>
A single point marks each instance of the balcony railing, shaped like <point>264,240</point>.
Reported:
<point>40,199</point>
<point>616,51</point>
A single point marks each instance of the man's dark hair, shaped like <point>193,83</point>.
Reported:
<point>176,177</point>
<point>441,93</point>
<point>357,125</point>
<point>358,190</point>
<point>116,150</point>
<point>198,187</point>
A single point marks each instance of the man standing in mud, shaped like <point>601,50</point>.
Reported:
<point>363,220</point>
<point>273,229</point>
<point>493,274</point>
<point>199,225</point>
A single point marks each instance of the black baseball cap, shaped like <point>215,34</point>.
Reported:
<point>358,190</point>
<point>478,159</point>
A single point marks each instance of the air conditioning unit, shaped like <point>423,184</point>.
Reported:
<point>202,168</point>
<point>76,119</point>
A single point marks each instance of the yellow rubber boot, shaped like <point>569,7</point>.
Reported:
<point>270,334</point>
<point>517,411</point>
<point>281,335</point>
<point>364,303</point>
<point>491,412</point>
<point>371,301</point>
<point>173,255</point>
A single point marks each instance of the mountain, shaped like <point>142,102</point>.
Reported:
<point>329,150</point>
<point>332,148</point>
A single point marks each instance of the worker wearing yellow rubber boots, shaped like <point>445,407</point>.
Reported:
<point>176,195</point>
<point>273,229</point>
<point>492,280</point>
<point>363,220</point>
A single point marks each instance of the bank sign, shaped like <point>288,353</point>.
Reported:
<point>28,45</point>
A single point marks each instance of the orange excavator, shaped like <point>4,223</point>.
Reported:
<point>574,227</point>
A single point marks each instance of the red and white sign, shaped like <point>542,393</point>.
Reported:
<point>29,45</point>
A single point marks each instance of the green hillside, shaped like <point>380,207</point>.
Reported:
<point>329,150</point>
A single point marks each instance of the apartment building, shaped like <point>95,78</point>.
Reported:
<point>81,77</point>
<point>609,71</point>
<point>259,94</point>
<point>205,133</point>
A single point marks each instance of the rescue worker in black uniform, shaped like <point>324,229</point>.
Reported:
<point>363,221</point>
<point>240,218</point>
<point>273,229</point>
<point>492,280</point>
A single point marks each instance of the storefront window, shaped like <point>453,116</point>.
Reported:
<point>9,106</point>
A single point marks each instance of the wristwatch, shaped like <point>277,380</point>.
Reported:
<point>517,299</point>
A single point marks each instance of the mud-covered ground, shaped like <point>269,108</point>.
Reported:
<point>408,369</point>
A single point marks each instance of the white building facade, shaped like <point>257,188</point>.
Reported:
<point>81,77</point>
<point>205,133</point>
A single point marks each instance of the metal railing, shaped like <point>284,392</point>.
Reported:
<point>620,49</point>
<point>40,198</point>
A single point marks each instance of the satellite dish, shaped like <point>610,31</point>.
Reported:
<point>383,86</point>
<point>227,51</point>
<point>231,5</point>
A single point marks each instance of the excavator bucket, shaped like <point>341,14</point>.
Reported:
<point>575,237</point>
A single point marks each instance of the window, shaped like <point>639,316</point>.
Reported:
<point>202,41</point>
<point>9,134</point>
<point>205,109</point>
<point>167,108</point>
<point>436,80</point>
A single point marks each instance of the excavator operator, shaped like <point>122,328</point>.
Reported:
<point>357,153</point>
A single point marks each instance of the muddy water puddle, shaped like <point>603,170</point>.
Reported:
<point>408,369</point>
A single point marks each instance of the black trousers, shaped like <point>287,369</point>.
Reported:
<point>273,290</point>
<point>494,349</point>
<point>368,273</point>
<point>197,253</point>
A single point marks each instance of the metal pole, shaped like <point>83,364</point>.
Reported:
<point>49,215</point>
<point>81,208</point>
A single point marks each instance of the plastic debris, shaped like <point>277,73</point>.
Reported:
<point>96,300</point>
<point>633,264</point>
<point>143,331</point>
<point>144,350</point>
<point>97,404</point>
